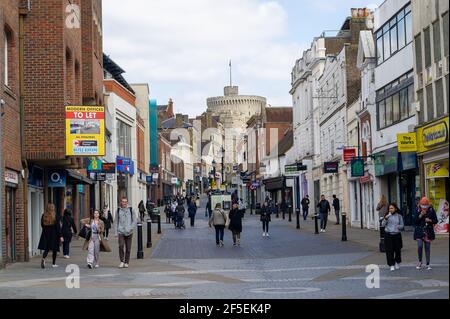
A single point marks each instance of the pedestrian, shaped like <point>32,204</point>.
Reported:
<point>149,206</point>
<point>235,226</point>
<point>51,235</point>
<point>208,210</point>
<point>382,207</point>
<point>283,207</point>
<point>192,210</point>
<point>337,207</point>
<point>305,206</point>
<point>265,218</point>
<point>393,225</point>
<point>242,207</point>
<point>125,225</point>
<point>218,220</point>
<point>68,225</point>
<point>324,210</point>
<point>180,215</point>
<point>95,243</point>
<point>168,212</point>
<point>197,202</point>
<point>424,230</point>
<point>141,208</point>
<point>108,221</point>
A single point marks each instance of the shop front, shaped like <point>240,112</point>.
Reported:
<point>125,170</point>
<point>278,190</point>
<point>35,207</point>
<point>433,143</point>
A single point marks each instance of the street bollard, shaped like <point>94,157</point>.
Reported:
<point>290,214</point>
<point>297,212</point>
<point>344,226</point>
<point>140,252</point>
<point>159,224</point>
<point>382,233</point>
<point>278,212</point>
<point>149,232</point>
<point>316,225</point>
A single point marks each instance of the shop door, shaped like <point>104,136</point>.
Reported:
<point>407,196</point>
<point>10,224</point>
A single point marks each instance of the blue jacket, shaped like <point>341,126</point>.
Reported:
<point>192,210</point>
<point>422,226</point>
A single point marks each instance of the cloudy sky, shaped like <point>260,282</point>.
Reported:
<point>182,48</point>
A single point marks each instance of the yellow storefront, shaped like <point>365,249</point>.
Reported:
<point>432,149</point>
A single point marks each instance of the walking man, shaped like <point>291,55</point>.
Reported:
<point>337,208</point>
<point>125,224</point>
<point>324,209</point>
<point>305,206</point>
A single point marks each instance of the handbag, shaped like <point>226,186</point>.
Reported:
<point>85,233</point>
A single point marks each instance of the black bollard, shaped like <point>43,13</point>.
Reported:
<point>297,212</point>
<point>140,252</point>
<point>290,214</point>
<point>284,213</point>
<point>344,226</point>
<point>278,212</point>
<point>159,224</point>
<point>149,232</point>
<point>382,233</point>
<point>316,225</point>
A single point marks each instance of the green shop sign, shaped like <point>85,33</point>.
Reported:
<point>386,162</point>
<point>357,166</point>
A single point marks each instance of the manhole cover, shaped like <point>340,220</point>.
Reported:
<point>288,290</point>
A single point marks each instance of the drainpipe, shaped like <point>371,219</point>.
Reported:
<point>2,102</point>
<point>22,15</point>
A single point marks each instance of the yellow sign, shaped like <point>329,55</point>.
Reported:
<point>85,131</point>
<point>437,170</point>
<point>407,142</point>
<point>433,136</point>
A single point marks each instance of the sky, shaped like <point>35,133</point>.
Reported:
<point>182,48</point>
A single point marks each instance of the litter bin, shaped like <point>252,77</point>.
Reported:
<point>258,208</point>
<point>155,214</point>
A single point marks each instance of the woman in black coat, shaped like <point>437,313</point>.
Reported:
<point>51,236</point>
<point>67,226</point>
<point>265,218</point>
<point>235,226</point>
<point>424,230</point>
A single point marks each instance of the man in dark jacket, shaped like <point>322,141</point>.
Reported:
<point>180,215</point>
<point>192,210</point>
<point>337,208</point>
<point>305,206</point>
<point>324,209</point>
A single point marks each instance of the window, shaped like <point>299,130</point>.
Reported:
<point>437,41</point>
<point>123,139</point>
<point>394,35</point>
<point>382,114</point>
<point>389,111</point>
<point>445,27</point>
<point>396,107</point>
<point>418,46</point>
<point>5,52</point>
<point>404,103</point>
<point>439,98</point>
<point>422,106</point>
<point>427,46</point>
<point>430,105</point>
<point>410,101</point>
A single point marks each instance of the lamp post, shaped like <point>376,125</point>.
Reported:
<point>222,154</point>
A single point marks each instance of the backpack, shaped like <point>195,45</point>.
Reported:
<point>118,214</point>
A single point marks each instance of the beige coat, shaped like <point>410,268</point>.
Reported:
<point>218,217</point>
<point>101,228</point>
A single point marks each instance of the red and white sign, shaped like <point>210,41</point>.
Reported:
<point>349,154</point>
<point>11,177</point>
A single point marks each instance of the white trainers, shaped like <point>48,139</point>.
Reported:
<point>67,256</point>
<point>264,234</point>
<point>392,268</point>
<point>125,265</point>
<point>55,266</point>
<point>429,267</point>
<point>397,266</point>
<point>96,266</point>
<point>267,235</point>
<point>121,265</point>
<point>419,266</point>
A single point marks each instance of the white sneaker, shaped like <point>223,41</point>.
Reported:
<point>55,266</point>
<point>429,267</point>
<point>419,266</point>
<point>121,265</point>
<point>324,231</point>
<point>264,234</point>
<point>267,235</point>
<point>96,266</point>
<point>392,268</point>
<point>125,265</point>
<point>397,266</point>
<point>67,256</point>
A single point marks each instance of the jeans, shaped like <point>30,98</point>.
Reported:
<point>323,221</point>
<point>420,244</point>
<point>125,243</point>
<point>305,213</point>
<point>265,225</point>
<point>66,247</point>
<point>219,233</point>
<point>336,212</point>
<point>192,221</point>
<point>106,232</point>
<point>393,244</point>
<point>236,237</point>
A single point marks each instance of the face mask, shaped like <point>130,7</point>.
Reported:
<point>424,206</point>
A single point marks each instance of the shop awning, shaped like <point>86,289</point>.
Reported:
<point>73,177</point>
<point>272,184</point>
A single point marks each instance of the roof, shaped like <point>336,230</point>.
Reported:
<point>116,71</point>
<point>279,114</point>
<point>284,145</point>
<point>366,48</point>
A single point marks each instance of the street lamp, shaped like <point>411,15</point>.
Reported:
<point>222,152</point>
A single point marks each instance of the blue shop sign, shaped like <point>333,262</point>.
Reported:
<point>149,179</point>
<point>408,161</point>
<point>57,178</point>
<point>125,165</point>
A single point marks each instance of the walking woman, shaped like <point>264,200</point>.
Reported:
<point>218,220</point>
<point>424,230</point>
<point>265,219</point>
<point>108,221</point>
<point>393,225</point>
<point>192,210</point>
<point>51,236</point>
<point>95,243</point>
<point>382,207</point>
<point>236,215</point>
<point>141,208</point>
<point>67,226</point>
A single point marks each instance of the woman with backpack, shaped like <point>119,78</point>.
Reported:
<point>424,230</point>
<point>68,225</point>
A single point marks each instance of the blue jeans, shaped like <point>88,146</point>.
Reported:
<point>219,233</point>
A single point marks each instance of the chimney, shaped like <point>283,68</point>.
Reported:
<point>170,109</point>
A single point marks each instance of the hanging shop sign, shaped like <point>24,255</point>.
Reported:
<point>95,166</point>
<point>331,167</point>
<point>294,169</point>
<point>357,167</point>
<point>433,136</point>
<point>174,180</point>
<point>349,154</point>
<point>85,131</point>
<point>437,170</point>
<point>125,165</point>
<point>407,142</point>
<point>11,177</point>
<point>57,178</point>
<point>386,162</point>
<point>109,168</point>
